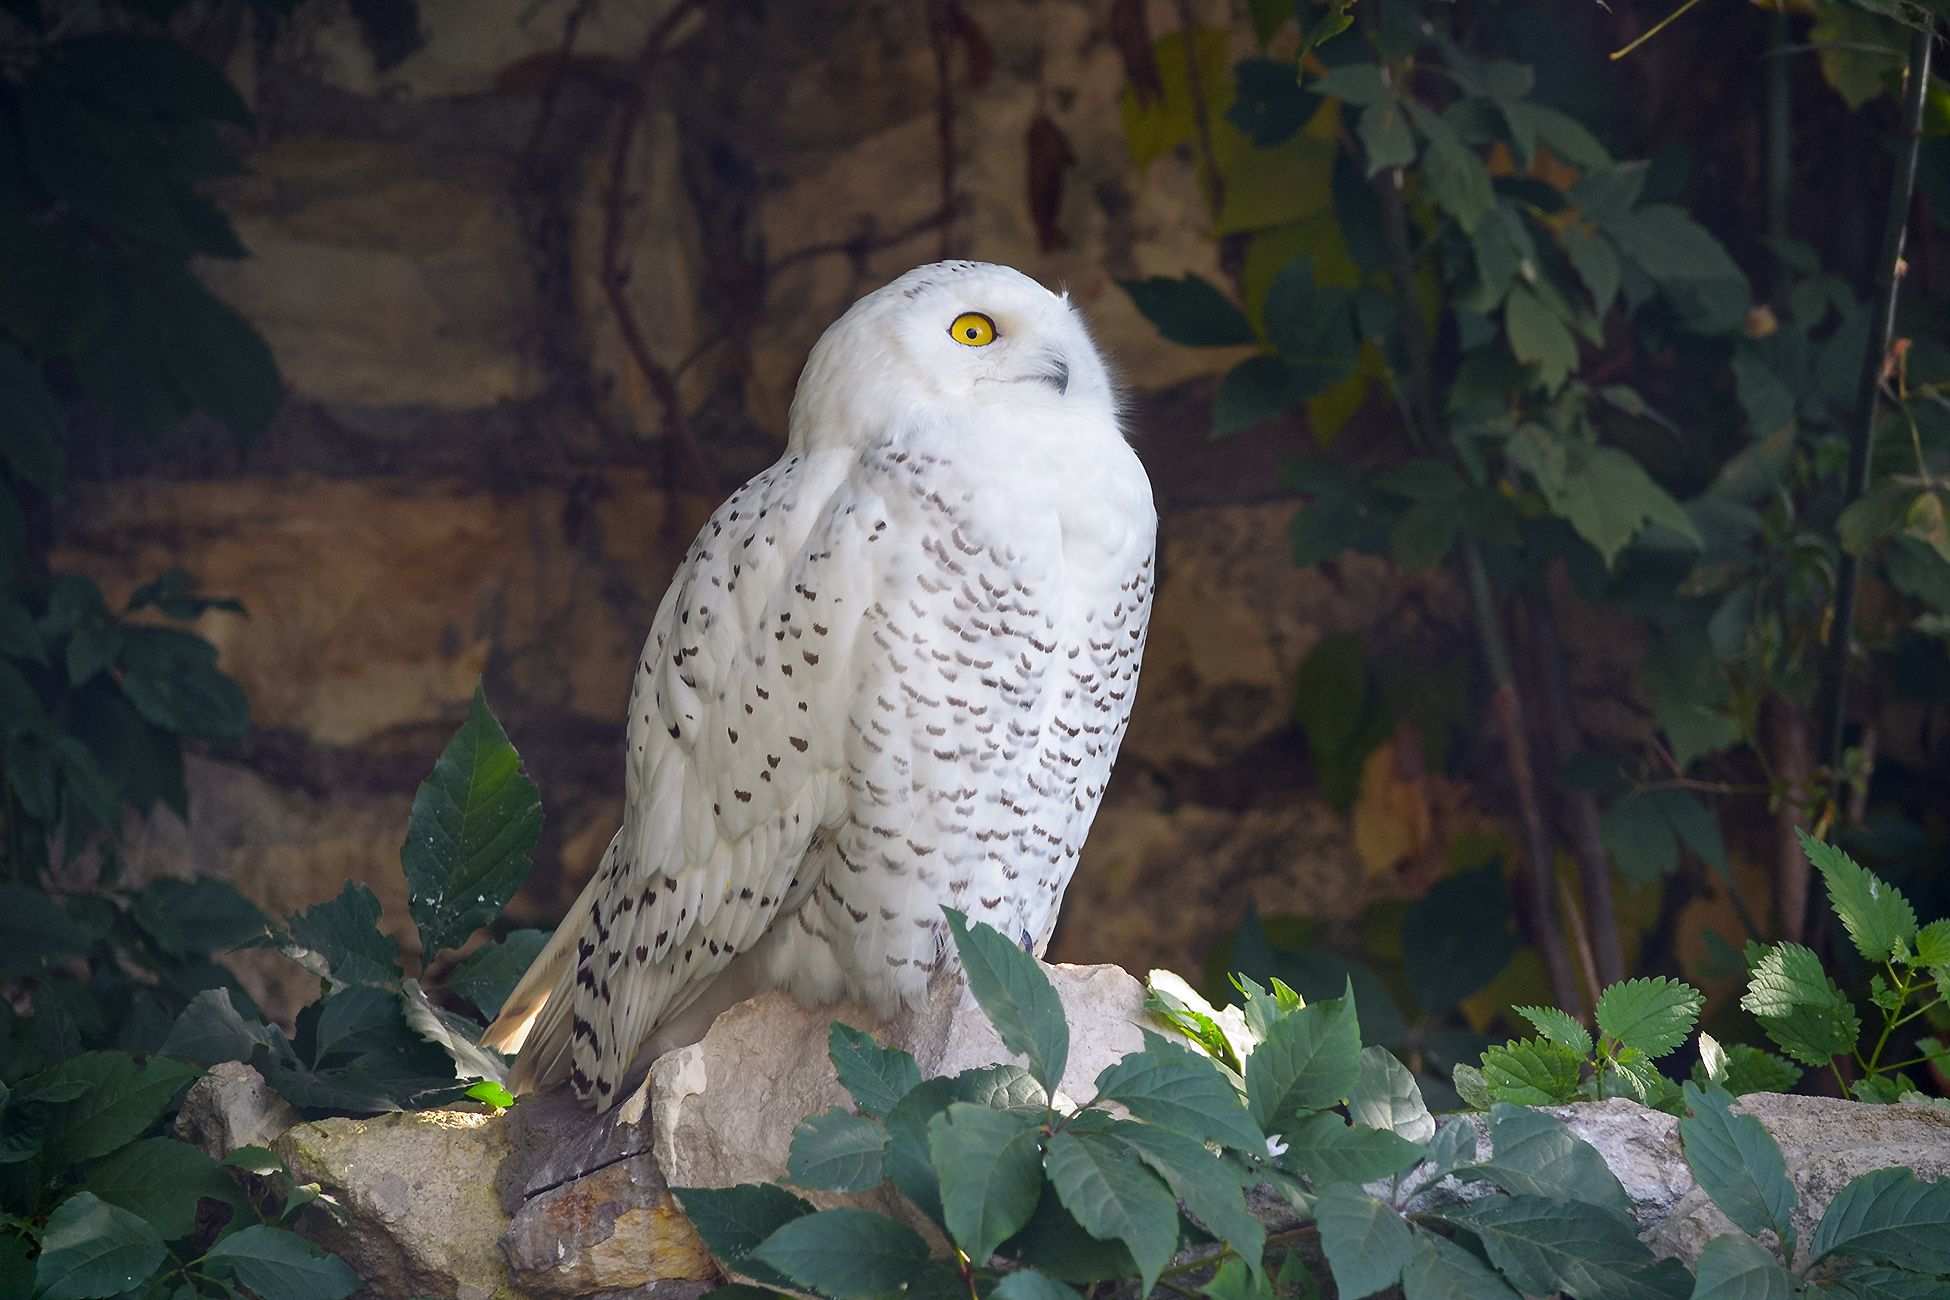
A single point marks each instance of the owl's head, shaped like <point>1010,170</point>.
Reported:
<point>951,337</point>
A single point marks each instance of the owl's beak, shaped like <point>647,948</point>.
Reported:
<point>1057,376</point>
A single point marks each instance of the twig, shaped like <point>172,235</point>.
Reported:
<point>862,244</point>
<point>1581,809</point>
<point>1657,27</point>
<point>1832,703</point>
<point>677,426</point>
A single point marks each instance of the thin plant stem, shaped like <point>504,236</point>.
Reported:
<point>1832,705</point>
<point>1574,922</point>
<point>1657,27</point>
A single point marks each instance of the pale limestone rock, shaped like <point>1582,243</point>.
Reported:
<point>723,1110</point>
<point>232,1107</point>
<point>419,1192</point>
<point>1827,1142</point>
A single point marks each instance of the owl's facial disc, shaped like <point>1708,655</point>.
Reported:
<point>1013,336</point>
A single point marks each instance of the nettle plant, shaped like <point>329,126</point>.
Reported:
<point>1798,1004</point>
<point>1144,1186</point>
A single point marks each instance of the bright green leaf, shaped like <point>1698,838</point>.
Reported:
<point>1799,1006</point>
<point>1387,1097</point>
<point>1559,1027</point>
<point>1309,1061</point>
<point>1532,1072</point>
<point>1652,1015</point>
<point>1878,917</point>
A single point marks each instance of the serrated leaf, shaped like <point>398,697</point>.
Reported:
<point>1028,1284</point>
<point>274,1262</point>
<point>1733,1267</point>
<point>1190,311</point>
<point>1799,1006</point>
<point>734,1221</point>
<point>1652,1015</point>
<point>837,1152</point>
<point>491,971</point>
<point>344,935</point>
<point>124,1099</point>
<point>1559,1027</point>
<point>1115,1198</point>
<point>1327,1150</point>
<point>1452,173</point>
<point>1543,1247</point>
<point>1367,1243</point>
<point>1878,917</point>
<point>1751,1069</point>
<point>1386,1096</point>
<point>1536,1155</point>
<point>1182,1091</point>
<point>1203,1182</point>
<point>908,1161</point>
<point>474,821</point>
<point>875,1077</point>
<point>1532,1072</point>
<point>1234,1281</point>
<point>1439,1269</point>
<point>91,1249</point>
<point>1308,1061</point>
<point>161,1179</point>
<point>991,1167</point>
<point>1015,995</point>
<point>1878,1283</point>
<point>1888,1217</point>
<point>1739,1164</point>
<point>211,1029</point>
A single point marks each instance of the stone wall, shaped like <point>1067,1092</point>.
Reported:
<point>470,475</point>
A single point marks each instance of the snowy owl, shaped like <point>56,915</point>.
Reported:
<point>892,673</point>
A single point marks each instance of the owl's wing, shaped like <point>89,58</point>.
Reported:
<point>735,747</point>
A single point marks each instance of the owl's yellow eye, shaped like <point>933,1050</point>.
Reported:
<point>973,329</point>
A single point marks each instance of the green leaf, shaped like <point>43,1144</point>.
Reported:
<point>1799,1006</point>
<point>344,933</point>
<point>1596,264</point>
<point>1933,944</point>
<point>91,1249</point>
<point>1750,1069</point>
<point>1538,337</point>
<point>735,1221</point>
<point>1357,83</point>
<point>221,363</point>
<point>1652,1015</point>
<point>1739,1164</point>
<point>1203,1182</point>
<point>1235,1281</point>
<point>1253,392</point>
<point>1591,1254</point>
<point>1532,1072</point>
<point>1458,937</point>
<point>1367,1243</point>
<point>1328,1151</point>
<point>1559,1027</point>
<point>492,970</point>
<point>846,1253</point>
<point>1387,1097</point>
<point>1312,326</point>
<point>1878,917</point>
<point>991,1167</point>
<point>1439,1269</point>
<point>876,1077</point>
<point>1472,1086</point>
<point>1183,1091</point>
<point>1452,174</point>
<point>274,1262</point>
<point>1028,1284</point>
<point>1310,1060</point>
<point>1015,995</point>
<point>211,1030</point>
<point>1385,135</point>
<point>124,1099</point>
<point>34,932</point>
<point>31,424</point>
<point>172,677</point>
<point>161,1179</point>
<point>1877,1283</point>
<point>1190,311</point>
<point>474,822</point>
<point>908,1160</point>
<point>1115,1198</point>
<point>1733,1267</point>
<point>1058,1245</point>
<point>1887,1217</point>
<point>1605,494</point>
<point>1536,1155</point>
<point>837,1152</point>
<point>1672,247</point>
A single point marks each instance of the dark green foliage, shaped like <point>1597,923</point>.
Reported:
<point>474,821</point>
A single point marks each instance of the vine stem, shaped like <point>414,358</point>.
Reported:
<point>1504,703</point>
<point>1832,703</point>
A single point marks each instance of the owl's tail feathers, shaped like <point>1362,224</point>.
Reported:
<point>534,1021</point>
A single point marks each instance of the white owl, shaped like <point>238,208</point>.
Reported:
<point>891,674</point>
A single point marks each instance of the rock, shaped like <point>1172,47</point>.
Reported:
<point>611,1230</point>
<point>418,1193</point>
<point>1827,1142</point>
<point>723,1110</point>
<point>232,1107</point>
